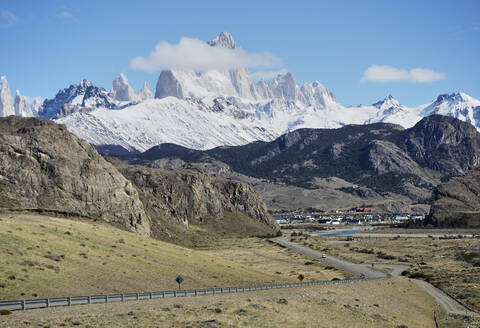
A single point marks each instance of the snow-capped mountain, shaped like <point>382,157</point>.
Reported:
<point>6,105</point>
<point>21,106</point>
<point>121,90</point>
<point>203,110</point>
<point>145,93</point>
<point>459,105</point>
<point>85,97</point>
<point>224,39</point>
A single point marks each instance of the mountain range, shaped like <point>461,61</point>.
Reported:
<point>45,168</point>
<point>203,110</point>
<point>374,164</point>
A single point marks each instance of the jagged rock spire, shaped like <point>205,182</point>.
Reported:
<point>121,90</point>
<point>224,39</point>
<point>6,105</point>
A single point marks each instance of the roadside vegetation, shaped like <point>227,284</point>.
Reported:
<point>389,303</point>
<point>452,265</point>
<point>44,256</point>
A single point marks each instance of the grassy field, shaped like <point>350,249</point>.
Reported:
<point>263,255</point>
<point>450,264</point>
<point>389,303</point>
<point>46,257</point>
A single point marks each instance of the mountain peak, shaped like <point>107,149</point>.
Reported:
<point>145,93</point>
<point>6,104</point>
<point>386,103</point>
<point>224,40</point>
<point>121,90</point>
<point>85,84</point>
<point>456,97</point>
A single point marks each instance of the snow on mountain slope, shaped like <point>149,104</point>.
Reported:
<point>202,110</point>
<point>184,122</point>
<point>458,105</point>
<point>389,110</point>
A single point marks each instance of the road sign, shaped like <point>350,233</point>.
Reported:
<point>179,280</point>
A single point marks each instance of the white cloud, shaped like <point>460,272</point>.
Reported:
<point>267,75</point>
<point>385,73</point>
<point>195,54</point>
<point>7,18</point>
<point>64,15</point>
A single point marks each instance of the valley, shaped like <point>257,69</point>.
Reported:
<point>231,171</point>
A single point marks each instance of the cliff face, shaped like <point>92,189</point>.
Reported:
<point>184,197</point>
<point>43,166</point>
<point>457,202</point>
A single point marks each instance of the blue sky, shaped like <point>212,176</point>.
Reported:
<point>48,45</point>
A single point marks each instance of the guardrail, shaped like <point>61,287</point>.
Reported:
<point>95,299</point>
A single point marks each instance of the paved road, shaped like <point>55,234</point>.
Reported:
<point>340,264</point>
<point>406,235</point>
<point>449,304</point>
<point>395,269</point>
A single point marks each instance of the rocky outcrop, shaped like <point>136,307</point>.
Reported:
<point>185,197</point>
<point>44,167</point>
<point>457,202</point>
<point>444,144</point>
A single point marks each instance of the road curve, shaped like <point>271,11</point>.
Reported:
<point>337,263</point>
<point>450,305</point>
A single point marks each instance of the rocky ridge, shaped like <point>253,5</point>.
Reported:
<point>45,167</point>
<point>457,202</point>
<point>176,199</point>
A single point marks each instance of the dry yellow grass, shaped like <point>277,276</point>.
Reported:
<point>263,255</point>
<point>440,261</point>
<point>388,303</point>
<point>47,257</point>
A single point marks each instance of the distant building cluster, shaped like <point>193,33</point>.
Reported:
<point>358,216</point>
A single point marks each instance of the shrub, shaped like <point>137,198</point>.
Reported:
<point>301,277</point>
<point>5,312</point>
